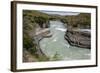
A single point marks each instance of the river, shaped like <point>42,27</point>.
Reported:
<point>58,45</point>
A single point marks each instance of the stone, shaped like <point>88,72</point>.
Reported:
<point>78,38</point>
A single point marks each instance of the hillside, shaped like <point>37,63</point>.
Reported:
<point>83,20</point>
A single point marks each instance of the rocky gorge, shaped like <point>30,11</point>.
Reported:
<point>43,28</point>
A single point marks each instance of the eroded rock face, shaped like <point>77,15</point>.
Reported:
<point>43,33</point>
<point>79,38</point>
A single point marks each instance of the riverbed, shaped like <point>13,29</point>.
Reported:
<point>58,45</point>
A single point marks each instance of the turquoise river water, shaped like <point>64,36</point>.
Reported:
<point>58,45</point>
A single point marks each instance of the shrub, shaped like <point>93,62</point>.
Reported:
<point>27,41</point>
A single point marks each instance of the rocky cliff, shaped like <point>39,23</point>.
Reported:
<point>79,38</point>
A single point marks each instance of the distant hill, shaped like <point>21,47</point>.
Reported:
<point>83,20</point>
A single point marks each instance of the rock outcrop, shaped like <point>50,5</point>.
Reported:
<point>79,38</point>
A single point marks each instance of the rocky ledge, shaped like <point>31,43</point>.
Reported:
<point>78,38</point>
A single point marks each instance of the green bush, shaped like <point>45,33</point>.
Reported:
<point>33,50</point>
<point>40,20</point>
<point>27,41</point>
